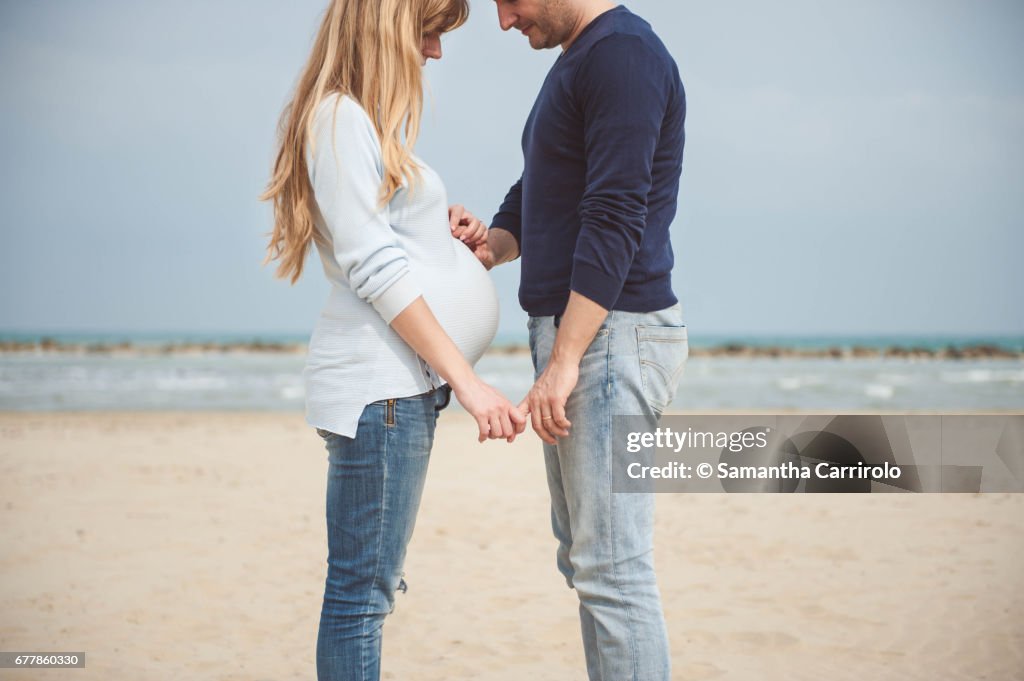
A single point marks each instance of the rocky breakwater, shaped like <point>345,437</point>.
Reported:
<point>125,348</point>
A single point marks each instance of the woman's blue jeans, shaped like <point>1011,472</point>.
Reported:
<point>374,485</point>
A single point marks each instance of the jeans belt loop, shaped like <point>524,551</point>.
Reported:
<point>447,390</point>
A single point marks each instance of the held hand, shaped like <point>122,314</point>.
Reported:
<point>483,252</point>
<point>465,226</point>
<point>495,416</point>
<point>545,403</point>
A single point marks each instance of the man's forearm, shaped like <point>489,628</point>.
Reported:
<point>503,245</point>
<point>550,392</point>
<point>579,324</point>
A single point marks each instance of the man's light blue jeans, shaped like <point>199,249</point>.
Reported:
<point>374,485</point>
<point>606,539</point>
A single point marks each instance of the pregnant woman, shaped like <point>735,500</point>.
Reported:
<point>410,310</point>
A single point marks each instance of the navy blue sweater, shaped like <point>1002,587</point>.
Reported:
<point>603,152</point>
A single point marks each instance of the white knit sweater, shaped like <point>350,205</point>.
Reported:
<point>379,260</point>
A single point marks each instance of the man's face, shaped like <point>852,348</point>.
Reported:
<point>546,23</point>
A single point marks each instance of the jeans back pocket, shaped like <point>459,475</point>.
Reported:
<point>663,351</point>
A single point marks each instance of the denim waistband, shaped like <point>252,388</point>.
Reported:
<point>447,389</point>
<point>622,315</point>
<point>620,330</point>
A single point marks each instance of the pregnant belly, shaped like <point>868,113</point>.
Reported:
<point>462,297</point>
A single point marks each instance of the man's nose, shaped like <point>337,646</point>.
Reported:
<point>506,19</point>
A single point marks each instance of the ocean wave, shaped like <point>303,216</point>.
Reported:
<point>789,383</point>
<point>292,393</point>
<point>191,383</point>
<point>879,391</point>
<point>984,376</point>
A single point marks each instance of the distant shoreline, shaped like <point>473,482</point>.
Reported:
<point>974,351</point>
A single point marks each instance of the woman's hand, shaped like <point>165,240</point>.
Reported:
<point>495,416</point>
<point>465,226</point>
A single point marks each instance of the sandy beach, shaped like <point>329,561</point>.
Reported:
<point>192,546</point>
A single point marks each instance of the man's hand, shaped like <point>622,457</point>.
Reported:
<point>465,226</point>
<point>546,400</point>
<point>482,251</point>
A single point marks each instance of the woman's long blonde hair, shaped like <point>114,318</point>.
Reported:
<point>369,50</point>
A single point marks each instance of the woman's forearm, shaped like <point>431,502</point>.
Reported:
<point>495,416</point>
<point>418,327</point>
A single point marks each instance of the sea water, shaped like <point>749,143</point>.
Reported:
<point>269,381</point>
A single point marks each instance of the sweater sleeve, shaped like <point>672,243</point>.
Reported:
<point>346,171</point>
<point>623,90</point>
<point>510,215</point>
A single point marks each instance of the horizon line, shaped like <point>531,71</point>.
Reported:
<point>719,333</point>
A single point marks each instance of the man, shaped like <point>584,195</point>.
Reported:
<point>590,216</point>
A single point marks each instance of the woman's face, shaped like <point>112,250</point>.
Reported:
<point>431,46</point>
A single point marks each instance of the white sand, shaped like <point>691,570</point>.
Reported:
<point>192,546</point>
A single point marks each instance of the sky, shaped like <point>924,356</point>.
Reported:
<point>851,168</point>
